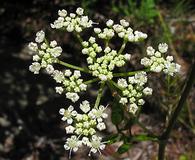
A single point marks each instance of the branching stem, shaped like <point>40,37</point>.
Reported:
<point>73,66</point>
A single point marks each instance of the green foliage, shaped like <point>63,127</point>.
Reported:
<point>183,157</point>
<point>181,7</point>
<point>145,12</point>
<point>124,148</point>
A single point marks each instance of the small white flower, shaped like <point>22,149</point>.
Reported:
<point>36,58</point>
<point>92,40</point>
<point>85,106</point>
<point>40,36</point>
<point>109,23</point>
<point>122,83</point>
<point>67,73</point>
<point>141,102</point>
<point>83,87</point>
<point>72,96</point>
<point>127,56</point>
<point>169,58</point>
<point>98,113</point>
<point>72,144</point>
<point>85,140</point>
<point>33,46</point>
<point>123,101</point>
<point>79,11</point>
<point>163,47</point>
<point>97,30</point>
<point>146,62</point>
<point>67,114</point>
<point>35,67</point>
<point>103,77</point>
<point>56,52</point>
<point>59,90</point>
<point>70,129</point>
<point>77,74</point>
<point>96,144</point>
<point>53,44</point>
<point>62,13</point>
<point>58,76</point>
<point>124,23</point>
<point>157,54</point>
<point>107,49</point>
<point>150,51</point>
<point>133,108</point>
<point>101,126</point>
<point>147,91</point>
<point>49,69</point>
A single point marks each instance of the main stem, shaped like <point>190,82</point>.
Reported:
<point>97,102</point>
<point>165,136</point>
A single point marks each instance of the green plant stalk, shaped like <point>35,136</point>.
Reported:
<point>79,38</point>
<point>100,92</point>
<point>73,66</point>
<point>122,47</point>
<point>165,136</point>
<point>129,73</point>
<point>91,81</point>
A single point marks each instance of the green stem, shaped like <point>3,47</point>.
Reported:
<point>122,47</point>
<point>73,66</point>
<point>129,73</point>
<point>100,92</point>
<point>165,136</point>
<point>79,38</point>
<point>92,80</point>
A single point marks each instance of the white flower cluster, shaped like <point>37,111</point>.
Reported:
<point>83,127</point>
<point>72,83</point>
<point>133,91</point>
<point>102,66</point>
<point>123,30</point>
<point>44,54</point>
<point>74,22</point>
<point>156,61</point>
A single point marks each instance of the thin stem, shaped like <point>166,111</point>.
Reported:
<point>79,38</point>
<point>73,66</point>
<point>129,73</point>
<point>145,129</point>
<point>165,136</point>
<point>91,81</point>
<point>116,85</point>
<point>100,92</point>
<point>122,47</point>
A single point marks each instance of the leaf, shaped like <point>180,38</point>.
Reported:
<point>144,137</point>
<point>124,148</point>
<point>117,113</point>
<point>112,139</point>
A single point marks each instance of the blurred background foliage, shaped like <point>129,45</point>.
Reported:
<point>30,126</point>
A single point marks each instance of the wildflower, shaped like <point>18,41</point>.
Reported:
<point>59,90</point>
<point>72,96</point>
<point>40,36</point>
<point>96,145</point>
<point>72,144</point>
<point>163,47</point>
<point>35,67</point>
<point>68,114</point>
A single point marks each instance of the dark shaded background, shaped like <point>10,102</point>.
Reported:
<point>29,121</point>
